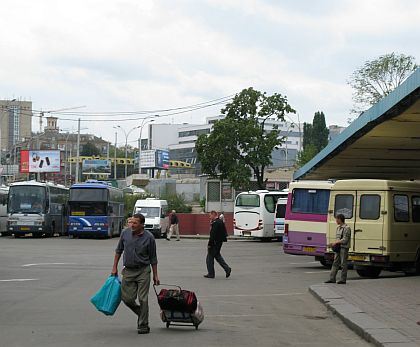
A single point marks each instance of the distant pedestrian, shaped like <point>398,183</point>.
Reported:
<point>139,248</point>
<point>341,248</point>
<point>174,226</point>
<point>129,216</point>
<point>218,235</point>
<point>222,216</point>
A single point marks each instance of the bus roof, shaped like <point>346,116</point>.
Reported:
<point>311,185</point>
<point>266,192</point>
<point>36,183</point>
<point>97,185</point>
<point>371,184</point>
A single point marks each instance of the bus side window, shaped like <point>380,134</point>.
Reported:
<point>401,213</point>
<point>344,205</point>
<point>415,205</point>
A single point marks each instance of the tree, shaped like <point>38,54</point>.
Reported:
<point>315,138</point>
<point>379,77</point>
<point>238,144</point>
<point>89,149</point>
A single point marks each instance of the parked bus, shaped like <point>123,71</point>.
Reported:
<point>279,216</point>
<point>254,213</point>
<point>155,212</point>
<point>4,191</point>
<point>384,217</point>
<point>96,209</point>
<point>37,208</point>
<point>306,219</point>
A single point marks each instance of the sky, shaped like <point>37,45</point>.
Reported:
<point>130,55</point>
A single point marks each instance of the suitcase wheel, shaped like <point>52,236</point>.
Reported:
<point>196,327</point>
<point>168,324</point>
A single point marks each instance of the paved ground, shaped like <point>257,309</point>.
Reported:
<point>386,309</point>
<point>265,303</point>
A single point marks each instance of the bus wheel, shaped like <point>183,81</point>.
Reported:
<point>369,272</point>
<point>325,264</point>
<point>52,233</point>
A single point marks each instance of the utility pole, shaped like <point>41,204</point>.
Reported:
<point>115,157</point>
<point>78,151</point>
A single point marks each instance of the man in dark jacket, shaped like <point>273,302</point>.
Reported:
<point>218,235</point>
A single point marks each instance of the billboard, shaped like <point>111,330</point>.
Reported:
<point>162,159</point>
<point>96,166</point>
<point>39,161</point>
<point>154,159</point>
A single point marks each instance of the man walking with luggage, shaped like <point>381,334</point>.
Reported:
<point>341,248</point>
<point>139,249</point>
<point>174,228</point>
<point>218,235</point>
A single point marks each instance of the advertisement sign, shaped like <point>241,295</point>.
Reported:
<point>162,159</point>
<point>96,166</point>
<point>39,161</point>
<point>148,159</point>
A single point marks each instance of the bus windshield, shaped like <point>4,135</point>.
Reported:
<point>88,194</point>
<point>310,201</point>
<point>148,212</point>
<point>248,200</point>
<point>27,199</point>
<point>88,208</point>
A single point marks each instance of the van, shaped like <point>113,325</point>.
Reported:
<point>384,217</point>
<point>279,215</point>
<point>254,213</point>
<point>155,213</point>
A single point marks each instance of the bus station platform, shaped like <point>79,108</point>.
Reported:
<point>384,311</point>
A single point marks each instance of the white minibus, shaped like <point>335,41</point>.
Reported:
<point>279,217</point>
<point>254,213</point>
<point>155,213</point>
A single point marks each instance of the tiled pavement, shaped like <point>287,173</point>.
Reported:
<point>386,311</point>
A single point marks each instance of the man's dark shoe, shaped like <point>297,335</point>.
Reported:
<point>208,276</point>
<point>341,282</point>
<point>329,281</point>
<point>228,273</point>
<point>143,330</point>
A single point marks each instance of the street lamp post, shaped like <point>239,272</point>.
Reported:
<point>127,134</point>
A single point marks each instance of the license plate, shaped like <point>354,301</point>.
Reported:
<point>24,228</point>
<point>246,233</point>
<point>309,249</point>
<point>357,257</point>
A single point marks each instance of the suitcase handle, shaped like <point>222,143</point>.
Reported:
<point>168,285</point>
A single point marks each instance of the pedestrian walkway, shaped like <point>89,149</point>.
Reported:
<point>385,311</point>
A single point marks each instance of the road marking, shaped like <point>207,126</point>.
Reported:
<point>37,264</point>
<point>20,280</point>
<point>239,315</point>
<point>316,272</point>
<point>249,295</point>
<point>308,262</point>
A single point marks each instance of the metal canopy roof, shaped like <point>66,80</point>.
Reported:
<point>383,143</point>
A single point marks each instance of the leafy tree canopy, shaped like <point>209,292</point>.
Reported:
<point>379,77</point>
<point>89,149</point>
<point>239,145</point>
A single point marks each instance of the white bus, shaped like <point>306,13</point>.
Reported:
<point>155,213</point>
<point>254,213</point>
<point>4,191</point>
<point>37,208</point>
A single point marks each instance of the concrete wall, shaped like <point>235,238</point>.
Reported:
<point>190,188</point>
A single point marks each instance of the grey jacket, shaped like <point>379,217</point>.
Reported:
<point>343,234</point>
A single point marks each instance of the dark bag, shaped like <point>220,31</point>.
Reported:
<point>177,300</point>
<point>336,248</point>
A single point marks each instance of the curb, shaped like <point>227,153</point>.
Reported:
<point>357,320</point>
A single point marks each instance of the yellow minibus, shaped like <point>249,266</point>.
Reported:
<point>384,217</point>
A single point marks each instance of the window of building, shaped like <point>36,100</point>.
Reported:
<point>401,213</point>
<point>370,205</point>
<point>344,205</point>
<point>415,208</point>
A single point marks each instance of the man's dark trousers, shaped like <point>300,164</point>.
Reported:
<point>212,254</point>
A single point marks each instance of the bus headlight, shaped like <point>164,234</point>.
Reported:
<point>12,222</point>
<point>156,226</point>
<point>38,222</point>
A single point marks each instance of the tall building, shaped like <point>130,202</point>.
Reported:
<point>15,122</point>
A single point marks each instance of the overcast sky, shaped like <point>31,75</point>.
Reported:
<point>134,55</point>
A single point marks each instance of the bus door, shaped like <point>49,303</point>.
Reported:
<point>345,204</point>
<point>369,225</point>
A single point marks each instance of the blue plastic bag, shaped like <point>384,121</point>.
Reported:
<point>107,299</point>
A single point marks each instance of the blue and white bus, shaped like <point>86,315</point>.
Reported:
<point>95,209</point>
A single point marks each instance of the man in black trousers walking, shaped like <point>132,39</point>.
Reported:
<point>218,235</point>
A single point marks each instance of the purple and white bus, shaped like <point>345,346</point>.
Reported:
<point>306,219</point>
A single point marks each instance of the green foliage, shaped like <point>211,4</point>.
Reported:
<point>177,202</point>
<point>203,203</point>
<point>238,144</point>
<point>315,138</point>
<point>90,149</point>
<point>379,77</point>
